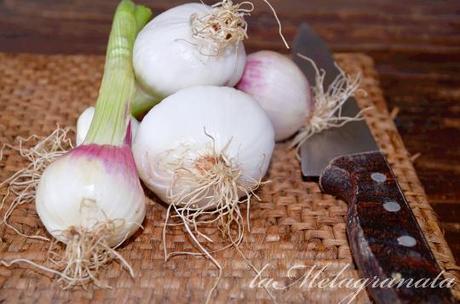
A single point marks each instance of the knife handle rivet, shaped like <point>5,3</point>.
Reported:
<point>391,206</point>
<point>407,241</point>
<point>378,177</point>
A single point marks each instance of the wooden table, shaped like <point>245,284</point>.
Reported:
<point>415,44</point>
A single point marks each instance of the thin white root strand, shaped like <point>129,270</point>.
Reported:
<point>32,263</point>
<point>38,152</point>
<point>85,255</point>
<point>328,103</point>
<point>280,28</point>
<point>213,198</point>
<point>209,256</point>
<point>226,26</point>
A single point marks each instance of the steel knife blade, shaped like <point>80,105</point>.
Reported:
<point>353,137</point>
<point>385,238</point>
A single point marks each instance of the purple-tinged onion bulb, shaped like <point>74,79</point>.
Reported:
<point>90,185</point>
<point>281,89</point>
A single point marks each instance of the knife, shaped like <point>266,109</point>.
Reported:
<point>385,238</point>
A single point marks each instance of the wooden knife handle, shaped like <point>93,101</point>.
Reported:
<point>385,238</point>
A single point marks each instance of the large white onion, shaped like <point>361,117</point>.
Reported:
<point>192,124</point>
<point>168,58</point>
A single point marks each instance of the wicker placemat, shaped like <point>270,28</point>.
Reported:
<point>293,224</point>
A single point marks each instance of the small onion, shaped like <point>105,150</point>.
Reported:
<point>281,88</point>
<point>90,185</point>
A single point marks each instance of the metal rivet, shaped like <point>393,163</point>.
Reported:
<point>378,177</point>
<point>391,206</point>
<point>407,241</point>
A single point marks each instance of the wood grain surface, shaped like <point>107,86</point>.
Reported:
<point>415,45</point>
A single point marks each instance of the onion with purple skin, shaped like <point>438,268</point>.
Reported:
<point>281,89</point>
<point>69,208</point>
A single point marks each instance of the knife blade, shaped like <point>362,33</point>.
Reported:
<point>385,238</point>
<point>354,136</point>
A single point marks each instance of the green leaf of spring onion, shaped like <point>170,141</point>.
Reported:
<point>118,83</point>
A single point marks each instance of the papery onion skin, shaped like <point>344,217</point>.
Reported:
<point>189,123</point>
<point>167,58</point>
<point>89,185</point>
<point>84,122</point>
<point>281,89</point>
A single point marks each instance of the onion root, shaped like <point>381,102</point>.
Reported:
<point>216,180</point>
<point>38,152</point>
<point>328,103</point>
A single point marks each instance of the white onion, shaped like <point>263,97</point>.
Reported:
<point>91,185</point>
<point>167,56</point>
<point>200,150</point>
<point>281,88</point>
<point>84,122</point>
<point>200,122</point>
<point>89,198</point>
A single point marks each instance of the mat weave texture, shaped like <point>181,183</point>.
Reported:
<point>293,224</point>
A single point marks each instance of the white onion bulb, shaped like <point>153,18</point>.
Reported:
<point>281,88</point>
<point>91,185</point>
<point>167,57</point>
<point>84,122</point>
<point>190,128</point>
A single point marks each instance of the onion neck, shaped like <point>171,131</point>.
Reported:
<point>118,86</point>
<point>143,101</point>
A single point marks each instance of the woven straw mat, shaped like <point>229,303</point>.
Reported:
<point>293,223</point>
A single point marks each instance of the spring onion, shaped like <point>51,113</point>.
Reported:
<point>90,199</point>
